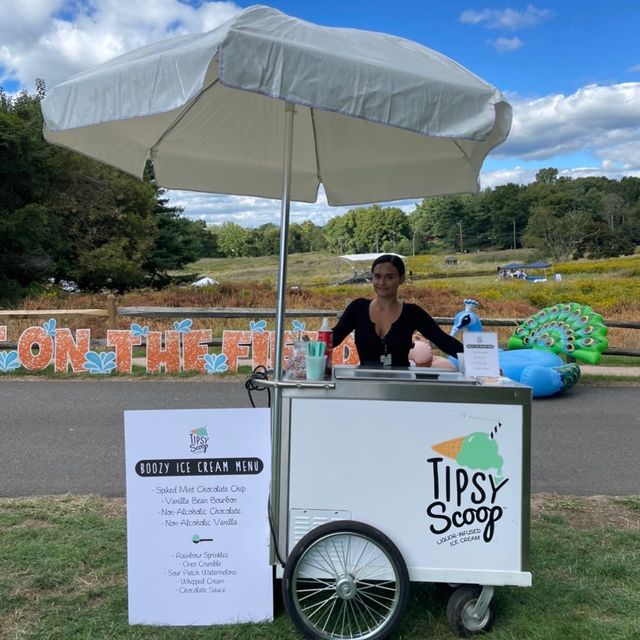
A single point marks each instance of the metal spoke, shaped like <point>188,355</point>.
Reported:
<point>334,602</point>
<point>317,606</point>
<point>355,603</point>
<point>382,606</point>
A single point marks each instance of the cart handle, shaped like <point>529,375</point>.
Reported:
<point>297,384</point>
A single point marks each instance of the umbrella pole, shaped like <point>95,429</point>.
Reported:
<point>276,402</point>
<point>284,238</point>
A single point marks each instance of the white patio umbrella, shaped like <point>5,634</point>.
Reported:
<point>377,117</point>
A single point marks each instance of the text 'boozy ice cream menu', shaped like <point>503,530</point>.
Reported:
<point>198,535</point>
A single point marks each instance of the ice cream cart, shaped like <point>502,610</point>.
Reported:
<point>382,477</point>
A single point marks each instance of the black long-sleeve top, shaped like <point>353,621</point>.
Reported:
<point>398,340</point>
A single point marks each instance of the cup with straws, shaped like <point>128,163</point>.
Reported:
<point>315,360</point>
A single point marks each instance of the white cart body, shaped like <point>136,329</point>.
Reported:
<point>362,450</point>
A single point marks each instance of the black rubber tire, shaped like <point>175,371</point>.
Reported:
<point>350,596</point>
<point>461,603</point>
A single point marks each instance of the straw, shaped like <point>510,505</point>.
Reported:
<point>315,348</point>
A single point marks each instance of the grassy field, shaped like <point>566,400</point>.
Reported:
<point>62,577</point>
<point>611,287</point>
<point>321,268</point>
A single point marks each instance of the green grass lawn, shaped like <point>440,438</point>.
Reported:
<point>62,577</point>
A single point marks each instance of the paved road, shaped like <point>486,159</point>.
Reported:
<point>67,436</point>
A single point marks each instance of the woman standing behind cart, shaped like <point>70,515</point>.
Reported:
<point>384,326</point>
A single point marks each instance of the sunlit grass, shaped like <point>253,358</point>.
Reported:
<point>63,577</point>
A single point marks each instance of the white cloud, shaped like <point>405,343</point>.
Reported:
<point>249,211</point>
<point>517,175</point>
<point>510,19</point>
<point>601,120</point>
<point>254,212</point>
<point>506,44</point>
<point>635,68</point>
<point>58,38</point>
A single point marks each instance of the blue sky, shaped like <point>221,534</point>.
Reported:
<point>571,70</point>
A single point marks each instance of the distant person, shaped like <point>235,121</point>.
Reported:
<point>384,326</point>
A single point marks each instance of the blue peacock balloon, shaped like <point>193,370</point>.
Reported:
<point>532,359</point>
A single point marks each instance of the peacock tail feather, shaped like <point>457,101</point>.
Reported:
<point>569,374</point>
<point>569,328</point>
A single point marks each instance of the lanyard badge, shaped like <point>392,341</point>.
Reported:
<point>385,358</point>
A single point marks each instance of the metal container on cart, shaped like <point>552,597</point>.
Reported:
<point>387,477</point>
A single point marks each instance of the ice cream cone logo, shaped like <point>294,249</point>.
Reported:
<point>477,450</point>
<point>449,448</point>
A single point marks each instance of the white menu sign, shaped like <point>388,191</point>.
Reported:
<point>197,525</point>
<point>481,354</point>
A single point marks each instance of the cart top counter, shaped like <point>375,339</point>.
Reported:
<point>438,463</point>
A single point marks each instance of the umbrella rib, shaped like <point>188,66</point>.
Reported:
<point>462,151</point>
<point>176,122</point>
<point>312,112</point>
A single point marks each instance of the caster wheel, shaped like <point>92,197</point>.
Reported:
<point>460,612</point>
<point>345,579</point>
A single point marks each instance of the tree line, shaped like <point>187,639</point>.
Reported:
<point>562,218</point>
<point>65,217</point>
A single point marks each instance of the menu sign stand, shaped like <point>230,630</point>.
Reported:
<point>197,527</point>
<point>481,354</point>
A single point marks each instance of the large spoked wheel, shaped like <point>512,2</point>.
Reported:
<point>345,579</point>
<point>461,613</point>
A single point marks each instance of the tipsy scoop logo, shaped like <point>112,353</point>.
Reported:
<point>471,482</point>
<point>199,440</point>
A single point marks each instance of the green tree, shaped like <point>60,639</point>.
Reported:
<point>631,227</point>
<point>630,190</point>
<point>368,229</point>
<point>296,242</point>
<point>25,255</point>
<point>396,230</point>
<point>177,240</point>
<point>547,176</point>
<point>233,240</point>
<point>603,242</point>
<point>559,236</point>
<point>613,206</point>
<point>69,217</point>
<point>314,239</point>
<point>340,233</point>
<point>451,221</point>
<point>106,220</point>
<point>507,213</point>
<point>25,230</point>
<point>266,239</point>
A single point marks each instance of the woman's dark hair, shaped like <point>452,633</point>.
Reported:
<point>396,261</point>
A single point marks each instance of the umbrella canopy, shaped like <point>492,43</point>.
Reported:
<point>368,257</point>
<point>377,117</point>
